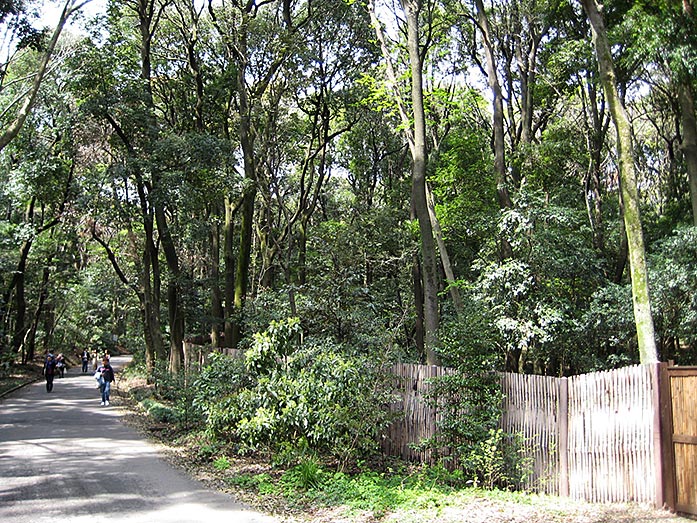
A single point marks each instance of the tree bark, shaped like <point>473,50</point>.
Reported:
<point>444,257</point>
<point>229,260</point>
<point>629,192</point>
<point>214,275</point>
<point>30,343</point>
<point>249,197</point>
<point>689,141</point>
<point>499,146</point>
<point>419,161</point>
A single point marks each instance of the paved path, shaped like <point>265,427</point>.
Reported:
<point>64,458</point>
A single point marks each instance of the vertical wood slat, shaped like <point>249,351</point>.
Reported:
<point>683,438</point>
<point>563,437</point>
<point>611,436</point>
<point>530,408</point>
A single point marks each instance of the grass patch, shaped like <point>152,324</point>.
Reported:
<point>159,411</point>
<point>13,376</point>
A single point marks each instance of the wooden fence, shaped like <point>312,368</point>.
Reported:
<point>590,437</point>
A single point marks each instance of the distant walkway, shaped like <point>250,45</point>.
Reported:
<point>65,458</point>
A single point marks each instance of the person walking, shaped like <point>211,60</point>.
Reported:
<point>49,371</point>
<point>106,378</point>
<point>60,365</point>
<point>85,357</point>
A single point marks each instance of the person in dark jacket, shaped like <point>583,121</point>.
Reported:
<point>85,358</point>
<point>107,377</point>
<point>49,371</point>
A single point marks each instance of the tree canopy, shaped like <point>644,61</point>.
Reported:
<point>417,181</point>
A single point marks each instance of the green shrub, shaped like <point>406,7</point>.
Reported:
<point>301,397</point>
<point>498,461</point>
<point>469,405</point>
<point>221,463</point>
<point>160,412</point>
<point>306,475</point>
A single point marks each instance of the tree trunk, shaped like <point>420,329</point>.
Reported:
<point>174,306</point>
<point>453,289</point>
<point>31,335</point>
<point>13,129</point>
<point>229,258</point>
<point>417,279</point>
<point>214,274</point>
<point>20,306</point>
<point>430,271</point>
<point>630,194</point>
<point>596,126</point>
<point>242,268</point>
<point>689,141</point>
<point>504,198</point>
<point>246,135</point>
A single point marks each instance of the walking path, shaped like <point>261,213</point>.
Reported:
<point>63,457</point>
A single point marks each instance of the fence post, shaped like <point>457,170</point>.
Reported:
<point>667,496</point>
<point>563,435</point>
<point>657,433</point>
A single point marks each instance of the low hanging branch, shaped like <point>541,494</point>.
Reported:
<point>71,6</point>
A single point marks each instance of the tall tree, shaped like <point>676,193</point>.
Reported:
<point>413,118</point>
<point>26,100</point>
<point>240,24</point>
<point>630,194</point>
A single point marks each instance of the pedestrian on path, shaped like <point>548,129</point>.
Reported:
<point>85,357</point>
<point>61,365</point>
<point>49,371</point>
<point>106,376</point>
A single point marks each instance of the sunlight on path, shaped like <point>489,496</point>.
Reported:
<point>63,457</point>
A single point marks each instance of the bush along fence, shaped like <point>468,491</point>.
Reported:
<point>627,435</point>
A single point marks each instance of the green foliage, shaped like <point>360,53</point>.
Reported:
<point>499,461</point>
<point>535,298</point>
<point>306,475</point>
<point>469,399</point>
<point>273,346</point>
<point>673,276</point>
<point>215,389</point>
<point>465,194</point>
<point>159,411</point>
<point>303,397</point>
<point>261,483</point>
<point>221,463</point>
<point>609,328</point>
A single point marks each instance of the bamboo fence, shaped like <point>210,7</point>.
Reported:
<point>589,437</point>
<point>531,409</point>
<point>610,436</point>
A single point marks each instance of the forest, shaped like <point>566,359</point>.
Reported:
<point>336,185</point>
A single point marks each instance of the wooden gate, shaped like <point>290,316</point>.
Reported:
<point>679,427</point>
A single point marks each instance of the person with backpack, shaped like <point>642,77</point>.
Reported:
<point>49,371</point>
<point>106,377</point>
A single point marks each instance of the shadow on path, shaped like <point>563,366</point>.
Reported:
<point>65,457</point>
